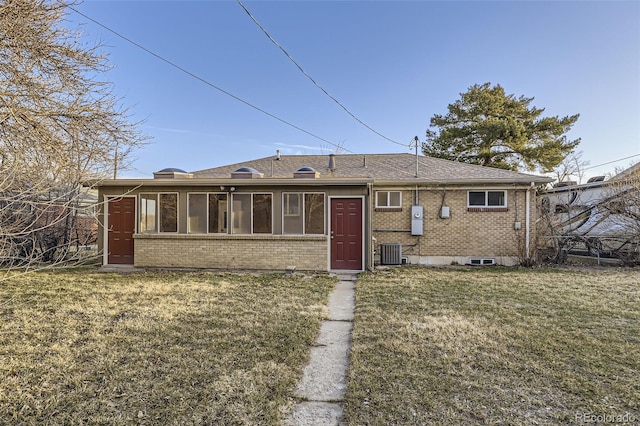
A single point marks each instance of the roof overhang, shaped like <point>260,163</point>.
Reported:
<point>314,182</point>
<point>464,181</point>
<point>234,182</point>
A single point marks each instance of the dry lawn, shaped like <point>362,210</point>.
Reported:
<point>158,348</point>
<point>495,346</point>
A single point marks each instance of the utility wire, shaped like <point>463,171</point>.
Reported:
<point>403,171</point>
<point>208,83</point>
<point>311,78</point>
<point>610,162</point>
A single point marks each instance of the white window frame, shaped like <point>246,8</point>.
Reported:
<point>388,206</point>
<point>486,199</point>
<point>159,212</point>
<point>302,210</point>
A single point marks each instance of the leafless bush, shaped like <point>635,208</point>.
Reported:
<point>61,129</point>
<point>598,221</point>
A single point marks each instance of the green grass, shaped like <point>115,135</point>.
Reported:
<point>494,346</point>
<point>157,348</point>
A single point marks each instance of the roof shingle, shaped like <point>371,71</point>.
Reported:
<point>379,167</point>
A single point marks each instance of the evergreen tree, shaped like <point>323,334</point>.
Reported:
<point>490,128</point>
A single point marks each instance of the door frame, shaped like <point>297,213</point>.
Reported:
<point>105,228</point>
<point>362,231</point>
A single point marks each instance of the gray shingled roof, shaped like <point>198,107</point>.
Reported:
<point>379,167</point>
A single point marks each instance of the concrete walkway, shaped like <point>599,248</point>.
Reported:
<point>324,381</point>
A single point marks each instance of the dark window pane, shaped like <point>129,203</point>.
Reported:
<point>314,213</point>
<point>168,212</point>
<point>218,213</point>
<point>476,198</point>
<point>496,198</point>
<point>262,218</point>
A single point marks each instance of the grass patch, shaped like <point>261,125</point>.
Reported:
<point>156,348</point>
<point>494,346</point>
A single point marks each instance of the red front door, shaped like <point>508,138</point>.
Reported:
<point>122,225</point>
<point>346,234</point>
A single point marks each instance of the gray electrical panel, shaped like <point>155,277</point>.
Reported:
<point>417,221</point>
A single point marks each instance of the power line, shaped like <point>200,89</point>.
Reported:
<point>610,162</point>
<point>338,146</point>
<point>208,83</point>
<point>311,78</point>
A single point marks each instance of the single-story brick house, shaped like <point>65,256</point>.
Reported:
<point>322,213</point>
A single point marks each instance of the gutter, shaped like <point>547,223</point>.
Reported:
<point>434,182</point>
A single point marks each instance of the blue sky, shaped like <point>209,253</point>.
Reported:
<point>393,64</point>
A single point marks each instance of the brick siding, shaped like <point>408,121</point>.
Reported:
<point>253,252</point>
<point>466,233</point>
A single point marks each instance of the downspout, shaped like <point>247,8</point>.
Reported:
<point>370,255</point>
<point>105,230</point>
<point>527,221</point>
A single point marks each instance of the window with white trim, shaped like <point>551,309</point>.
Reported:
<point>487,199</point>
<point>252,213</point>
<point>159,212</point>
<point>207,213</point>
<point>303,213</point>
<point>392,199</point>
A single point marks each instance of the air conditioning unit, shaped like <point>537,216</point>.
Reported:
<point>391,254</point>
<point>480,261</point>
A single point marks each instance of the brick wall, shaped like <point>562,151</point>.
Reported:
<point>258,252</point>
<point>465,233</point>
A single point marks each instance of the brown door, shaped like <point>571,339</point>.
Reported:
<point>122,225</point>
<point>346,234</point>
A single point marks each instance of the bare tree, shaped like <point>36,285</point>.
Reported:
<point>573,166</point>
<point>61,129</point>
<point>598,221</point>
<point>623,209</point>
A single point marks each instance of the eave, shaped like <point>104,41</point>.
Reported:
<point>234,182</point>
<point>359,181</point>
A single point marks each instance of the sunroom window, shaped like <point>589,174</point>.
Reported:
<point>252,213</point>
<point>158,212</point>
<point>207,213</point>
<point>303,213</point>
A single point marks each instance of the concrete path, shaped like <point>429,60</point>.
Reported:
<point>324,381</point>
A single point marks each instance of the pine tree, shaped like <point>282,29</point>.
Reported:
<point>489,128</point>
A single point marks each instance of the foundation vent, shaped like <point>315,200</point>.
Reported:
<point>481,261</point>
<point>391,254</point>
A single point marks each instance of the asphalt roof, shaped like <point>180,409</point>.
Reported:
<point>379,167</point>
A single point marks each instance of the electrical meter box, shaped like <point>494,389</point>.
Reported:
<point>417,220</point>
